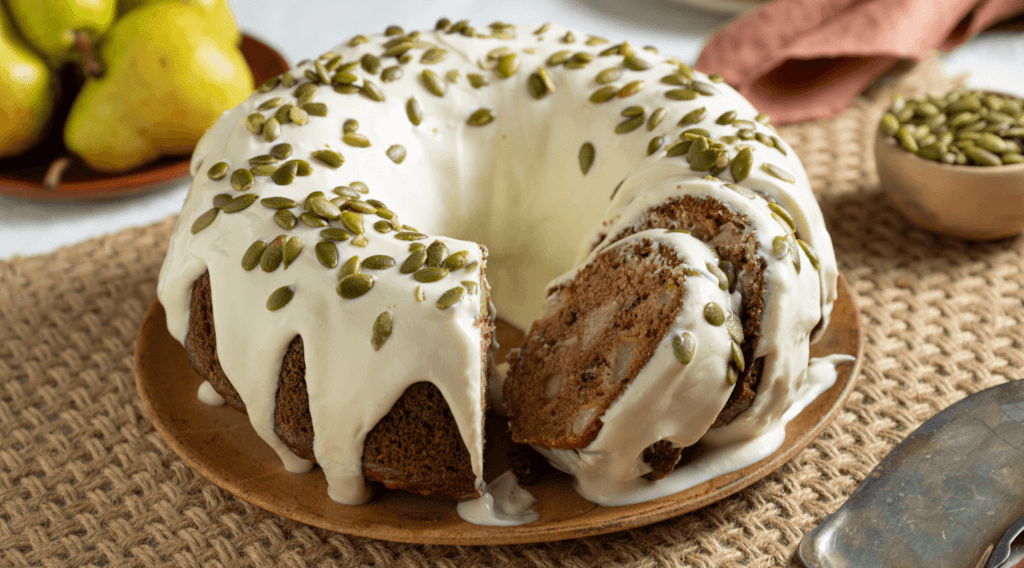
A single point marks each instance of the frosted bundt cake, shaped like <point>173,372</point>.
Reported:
<point>328,274</point>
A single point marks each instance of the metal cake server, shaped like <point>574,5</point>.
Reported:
<point>942,498</point>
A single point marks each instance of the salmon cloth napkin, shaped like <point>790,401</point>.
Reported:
<point>803,60</point>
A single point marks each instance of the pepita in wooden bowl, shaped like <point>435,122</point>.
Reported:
<point>953,163</point>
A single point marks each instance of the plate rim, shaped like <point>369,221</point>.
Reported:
<point>639,515</point>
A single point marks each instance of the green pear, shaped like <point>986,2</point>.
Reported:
<point>49,26</point>
<point>169,76</point>
<point>218,12</point>
<point>26,92</point>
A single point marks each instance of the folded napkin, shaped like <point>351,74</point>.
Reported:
<point>803,60</point>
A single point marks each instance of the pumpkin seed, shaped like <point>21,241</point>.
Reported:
<point>603,95</point>
<point>732,324</point>
<point>586,157</point>
<point>569,37</point>
<point>268,85</point>
<point>682,94</point>
<point>378,262</point>
<point>982,156</point>
<point>656,117</point>
<point>890,124</point>
<point>239,203</point>
<point>254,122</point>
<point>433,55</point>
<point>476,80</point>
<point>609,75</point>
<point>991,142</point>
<point>693,117</point>
<point>271,129</point>
<point>292,248</point>
<point>393,30</point>
<point>715,78</point>
<point>285,174</point>
<point>579,60</point>
<point>354,285</point>
<point>704,89</point>
<point>699,145</point>
<point>731,375</point>
<point>241,179</point>
<point>742,164</point>
<point>409,236</point>
<point>678,148</point>
<point>713,314</point>
<point>1012,158</point>
<point>741,190</point>
<point>270,103</point>
<point>559,58</point>
<point>413,247</point>
<point>350,267</point>
<point>263,159</point>
<point>470,286</point>
<point>221,199</point>
<point>636,63</point>
<point>705,160</point>
<point>381,330</point>
<point>370,63</point>
<point>456,260</point>
<point>287,80</point>
<point>315,109</point>
<point>436,253</point>
<point>321,207</point>
<point>273,254</point>
<point>737,357</point>
<point>434,83</point>
<point>382,226</point>
<point>472,266</point>
<point>356,139</point>
<point>430,274</point>
<point>629,125</point>
<point>726,118</point>
<point>906,139</point>
<point>279,298</point>
<point>285,219</point>
<point>313,220</point>
<point>684,346</point>
<point>717,272</point>
<point>778,173</point>
<point>480,117</point>
<point>251,258</point>
<point>305,92</point>
<point>655,144</point>
<point>780,246</point>
<point>413,262</point>
<point>451,297</point>
<point>508,65</point>
<point>218,171</point>
<point>676,80</point>
<point>396,153</point>
<point>203,221</point>
<point>634,110</point>
<point>786,217</point>
<point>630,89</point>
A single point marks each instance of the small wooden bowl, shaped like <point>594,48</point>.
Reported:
<point>970,202</point>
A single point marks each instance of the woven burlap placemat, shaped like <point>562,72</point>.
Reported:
<point>86,481</point>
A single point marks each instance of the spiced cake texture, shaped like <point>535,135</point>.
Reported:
<point>416,447</point>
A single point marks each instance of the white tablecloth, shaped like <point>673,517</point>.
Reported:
<point>300,29</point>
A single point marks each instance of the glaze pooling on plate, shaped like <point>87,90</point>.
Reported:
<point>485,161</point>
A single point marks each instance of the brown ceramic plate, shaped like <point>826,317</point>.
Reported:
<point>22,176</point>
<point>221,445</point>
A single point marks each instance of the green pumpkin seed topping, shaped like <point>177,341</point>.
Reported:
<point>350,125</point>
<point>812,255</point>
<point>713,314</point>
<point>241,179</point>
<point>268,85</point>
<point>481,117</point>
<point>636,63</point>
<point>279,298</point>
<point>360,206</point>
<point>472,266</point>
<point>329,157</point>
<point>378,262</point>
<point>285,174</point>
<point>430,274</point>
<point>443,25</point>
<point>717,272</point>
<point>409,236</point>
<point>313,220</point>
<point>629,125</point>
<point>218,171</point>
<point>780,246</point>
<point>394,30</point>
<point>263,159</point>
<point>251,258</point>
<point>221,199</point>
<point>559,58</point>
<point>540,83</point>
<point>737,357</point>
<point>356,139</point>
<point>742,164</point>
<point>786,217</point>
<point>270,103</point>
<point>596,40</point>
<point>321,207</point>
<point>778,173</point>
<point>414,262</point>
<point>603,95</point>
<point>470,286</point>
<point>609,75</point>
<point>705,160</point>
<point>273,254</point>
<point>371,91</point>
<point>354,286</point>
<point>477,80</point>
<point>335,234</point>
<point>381,330</point>
<point>656,117</point>
<point>586,157</point>
<point>655,144</point>
<point>370,63</point>
<point>292,248</point>
<point>271,129</point>
<point>285,219</point>
<point>203,221</point>
<point>413,247</point>
<point>682,94</point>
<point>508,65</point>
<point>239,203</point>
<point>684,346</point>
<point>382,226</point>
<point>451,298</point>
<point>414,111</point>
<point>353,222</point>
<point>579,60</point>
<point>634,110</point>
<point>350,267</point>
<point>678,148</point>
<point>315,109</point>
<point>434,83</point>
<point>456,260</point>
<point>715,78</point>
<point>436,253</point>
<point>630,89</point>
<point>704,89</point>
<point>254,122</point>
<point>693,117</point>
<point>726,118</point>
<point>433,55</point>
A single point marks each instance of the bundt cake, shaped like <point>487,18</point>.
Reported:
<point>331,270</point>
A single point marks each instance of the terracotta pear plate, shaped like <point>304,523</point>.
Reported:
<point>219,443</point>
<point>22,175</point>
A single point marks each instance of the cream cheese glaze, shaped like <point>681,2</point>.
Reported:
<point>514,184</point>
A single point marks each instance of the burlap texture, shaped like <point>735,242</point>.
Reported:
<point>85,480</point>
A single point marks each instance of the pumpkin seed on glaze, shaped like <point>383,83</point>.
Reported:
<point>370,63</point>
<point>430,274</point>
<point>630,89</point>
<point>781,212</point>
<point>472,266</point>
<point>456,260</point>
<point>678,148</point>
<point>559,58</point>
<point>283,114</point>
<point>508,65</point>
<point>433,55</point>
<point>241,179</point>
<point>218,171</point>
<point>476,80</point>
<point>634,110</point>
<point>356,139</point>
<point>270,103</point>
<point>354,285</point>
<point>324,208</point>
<point>434,83</point>
<point>203,221</point>
<point>470,286</point>
<point>693,117</point>
<point>313,220</point>
<point>436,253</point>
<point>681,94</point>
<point>451,298</point>
<point>735,328</point>
<point>737,357</point>
<point>329,157</point>
<point>629,125</point>
<point>287,80</point>
<point>378,262</point>
<point>315,109</point>
<point>656,117</point>
<point>350,267</point>
<point>414,262</point>
<point>705,160</point>
<point>778,173</point>
<point>655,144</point>
<point>292,248</point>
<point>251,258</point>
<point>268,85</point>
<point>273,254</point>
<point>285,219</point>
<point>684,346</point>
<point>409,236</point>
<point>360,206</point>
<point>413,247</point>
<point>586,157</point>
<point>353,222</point>
<point>741,190</point>
<point>263,159</point>
<point>726,118</point>
<point>239,203</point>
<point>713,314</point>
<point>271,129</point>
<point>414,111</point>
<point>221,199</point>
<point>704,89</point>
<point>285,174</point>
<point>603,95</point>
<point>715,78</point>
<point>371,91</point>
<point>481,117</point>
<point>382,226</point>
<point>742,164</point>
<point>381,330</point>
<point>279,298</point>
<point>254,122</point>
<point>699,145</point>
<point>609,75</point>
<point>396,153</point>
<point>780,246</point>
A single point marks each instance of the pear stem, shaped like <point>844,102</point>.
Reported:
<point>92,65</point>
<point>54,173</point>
